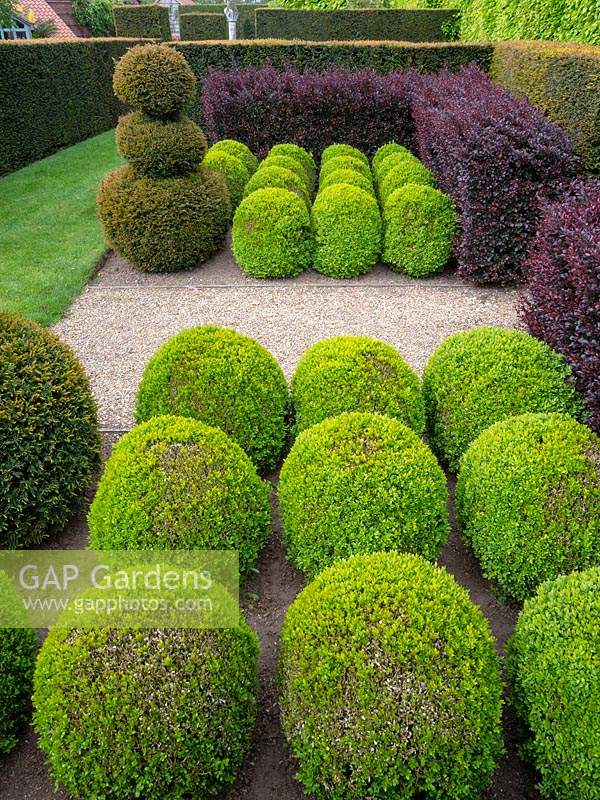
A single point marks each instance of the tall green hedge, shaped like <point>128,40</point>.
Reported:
<point>246,25</point>
<point>202,27</point>
<point>371,24</point>
<point>58,93</point>
<point>150,21</point>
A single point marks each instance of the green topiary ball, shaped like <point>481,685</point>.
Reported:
<point>553,668</point>
<point>225,380</point>
<point>143,222</point>
<point>161,714</point>
<point>360,483</point>
<point>291,164</point>
<point>355,373</point>
<point>300,154</point>
<point>350,177</point>
<point>233,170</point>
<point>528,499</point>
<point>49,442</point>
<point>348,231</point>
<point>154,78</point>
<point>272,177</point>
<point>336,150</point>
<point>272,236</point>
<point>344,162</point>
<point>386,150</point>
<point>239,150</point>
<point>409,171</point>
<point>405,160</point>
<point>174,483</point>
<point>158,148</point>
<point>420,224</point>
<point>482,376</point>
<point>383,693</point>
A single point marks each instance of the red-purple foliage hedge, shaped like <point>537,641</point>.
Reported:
<point>498,157</point>
<point>562,304</point>
<point>263,106</point>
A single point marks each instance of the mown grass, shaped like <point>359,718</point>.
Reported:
<point>51,238</point>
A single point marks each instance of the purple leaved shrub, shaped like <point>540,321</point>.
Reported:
<point>562,302</point>
<point>263,106</point>
<point>498,157</point>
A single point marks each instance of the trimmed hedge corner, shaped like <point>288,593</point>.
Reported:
<point>149,21</point>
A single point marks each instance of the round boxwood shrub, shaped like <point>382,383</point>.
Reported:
<point>233,170</point>
<point>225,380</point>
<point>344,162</point>
<point>293,165</point>
<point>273,177</point>
<point>335,150</point>
<point>348,231</point>
<point>479,377</point>
<point>386,150</point>
<point>360,483</point>
<point>355,373</point>
<point>272,236</point>
<point>49,442</point>
<point>239,150</point>
<point>176,483</point>
<point>350,177</point>
<point>405,160</point>
<point>159,148</point>
<point>300,154</point>
<point>528,499</point>
<point>154,78</point>
<point>420,224</point>
<point>139,222</point>
<point>155,713</point>
<point>409,171</point>
<point>382,693</point>
<point>553,668</point>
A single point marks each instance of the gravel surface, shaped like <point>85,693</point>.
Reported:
<point>118,323</point>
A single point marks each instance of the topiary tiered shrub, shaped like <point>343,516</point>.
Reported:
<point>49,442</point>
<point>553,668</point>
<point>141,204</point>
<point>382,693</point>
<point>355,373</point>
<point>360,483</point>
<point>528,500</point>
<point>484,375</point>
<point>176,483</point>
<point>223,379</point>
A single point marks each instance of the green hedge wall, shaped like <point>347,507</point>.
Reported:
<point>246,27</point>
<point>202,27</point>
<point>59,93</point>
<point>150,21</point>
<point>561,79</point>
<point>371,24</point>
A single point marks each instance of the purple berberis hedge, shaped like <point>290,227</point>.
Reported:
<point>562,304</point>
<point>498,157</point>
<point>263,106</point>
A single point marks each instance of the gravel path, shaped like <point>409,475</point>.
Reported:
<point>123,316</point>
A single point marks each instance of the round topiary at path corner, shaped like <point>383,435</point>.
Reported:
<point>420,224</point>
<point>293,165</point>
<point>336,150</point>
<point>233,170</point>
<point>479,377</point>
<point>159,148</point>
<point>298,153</point>
<point>386,150</point>
<point>272,177</point>
<point>381,690</point>
<point>528,500</point>
<point>239,150</point>
<point>350,177</point>
<point>355,373</point>
<point>360,483</point>
<point>225,380</point>
<point>344,162</point>
<point>142,217</point>
<point>176,483</point>
<point>348,231</point>
<point>155,713</point>
<point>553,668</point>
<point>155,79</point>
<point>410,171</point>
<point>49,441</point>
<point>272,235</point>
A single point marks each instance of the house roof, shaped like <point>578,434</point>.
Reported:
<point>43,11</point>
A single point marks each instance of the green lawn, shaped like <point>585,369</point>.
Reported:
<point>51,237</point>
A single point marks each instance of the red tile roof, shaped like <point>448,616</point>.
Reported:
<point>43,11</point>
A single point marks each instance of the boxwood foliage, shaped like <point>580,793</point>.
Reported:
<point>176,483</point>
<point>355,373</point>
<point>232,169</point>
<point>420,224</point>
<point>400,173</point>
<point>387,150</point>
<point>239,150</point>
<point>360,483</point>
<point>272,236</point>
<point>49,442</point>
<point>293,165</point>
<point>300,154</point>
<point>528,500</point>
<point>482,376</point>
<point>553,668</point>
<point>348,230</point>
<point>345,162</point>
<point>381,690</point>
<point>270,176</point>
<point>223,379</point>
<point>160,714</point>
<point>336,150</point>
<point>350,177</point>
